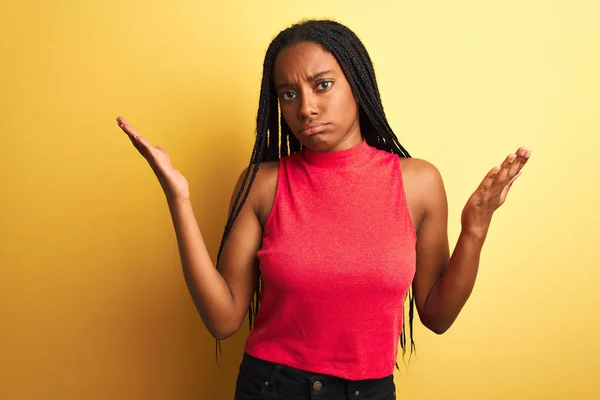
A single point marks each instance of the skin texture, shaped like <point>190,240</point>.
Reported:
<point>312,88</point>
<point>320,109</point>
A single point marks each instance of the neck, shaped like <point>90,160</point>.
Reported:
<point>352,156</point>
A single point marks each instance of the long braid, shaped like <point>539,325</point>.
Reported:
<point>274,138</point>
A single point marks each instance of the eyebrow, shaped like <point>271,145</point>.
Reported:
<point>310,78</point>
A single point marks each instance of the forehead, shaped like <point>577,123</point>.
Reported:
<point>303,59</point>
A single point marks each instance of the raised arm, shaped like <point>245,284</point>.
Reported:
<point>443,283</point>
<point>222,298</point>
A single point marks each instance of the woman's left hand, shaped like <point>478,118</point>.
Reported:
<point>491,193</point>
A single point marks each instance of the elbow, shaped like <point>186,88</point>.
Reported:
<point>437,325</point>
<point>223,331</point>
<point>220,335</point>
<point>220,323</point>
<point>438,329</point>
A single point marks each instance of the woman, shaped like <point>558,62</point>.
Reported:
<point>329,227</point>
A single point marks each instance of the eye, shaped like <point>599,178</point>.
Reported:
<point>288,96</point>
<point>325,85</point>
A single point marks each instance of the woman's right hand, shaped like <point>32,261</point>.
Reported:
<point>174,184</point>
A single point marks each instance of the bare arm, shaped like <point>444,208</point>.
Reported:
<point>221,298</point>
<point>210,292</point>
<point>443,283</point>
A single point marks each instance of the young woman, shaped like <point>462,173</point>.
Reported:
<point>330,226</point>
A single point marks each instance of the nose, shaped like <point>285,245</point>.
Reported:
<point>308,106</point>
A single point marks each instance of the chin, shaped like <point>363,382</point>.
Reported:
<point>317,142</point>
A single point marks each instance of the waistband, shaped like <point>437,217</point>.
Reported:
<point>282,379</point>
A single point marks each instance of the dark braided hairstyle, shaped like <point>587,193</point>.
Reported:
<point>274,138</point>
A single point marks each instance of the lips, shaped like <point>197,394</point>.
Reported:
<point>312,128</point>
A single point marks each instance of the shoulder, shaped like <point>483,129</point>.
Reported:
<point>266,175</point>
<point>420,174</point>
<point>423,186</point>
<point>263,186</point>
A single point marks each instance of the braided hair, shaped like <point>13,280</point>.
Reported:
<point>274,138</point>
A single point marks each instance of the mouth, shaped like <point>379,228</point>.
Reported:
<point>312,128</point>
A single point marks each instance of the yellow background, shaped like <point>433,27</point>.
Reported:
<point>93,304</point>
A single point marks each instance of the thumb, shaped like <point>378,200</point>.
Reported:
<point>508,186</point>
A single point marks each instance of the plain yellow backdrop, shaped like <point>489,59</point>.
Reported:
<point>93,304</point>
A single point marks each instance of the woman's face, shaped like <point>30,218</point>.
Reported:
<point>316,99</point>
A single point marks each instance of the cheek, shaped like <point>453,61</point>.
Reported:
<point>288,114</point>
<point>347,108</point>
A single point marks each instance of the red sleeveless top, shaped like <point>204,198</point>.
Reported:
<point>337,259</point>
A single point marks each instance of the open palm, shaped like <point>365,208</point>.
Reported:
<point>492,192</point>
<point>172,181</point>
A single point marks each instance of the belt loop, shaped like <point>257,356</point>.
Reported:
<point>270,384</point>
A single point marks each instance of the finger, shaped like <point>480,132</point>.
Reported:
<point>523,154</point>
<point>128,129</point>
<point>122,122</point>
<point>145,151</point>
<point>515,166</point>
<point>164,152</point>
<point>512,164</point>
<point>144,143</point>
<point>135,144</point>
<point>489,178</point>
<point>501,176</point>
<point>524,151</point>
<point>139,141</point>
<point>508,160</point>
<point>514,178</point>
<point>507,188</point>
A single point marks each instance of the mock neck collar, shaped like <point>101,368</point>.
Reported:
<point>342,158</point>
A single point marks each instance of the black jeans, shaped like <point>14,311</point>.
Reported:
<point>263,380</point>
